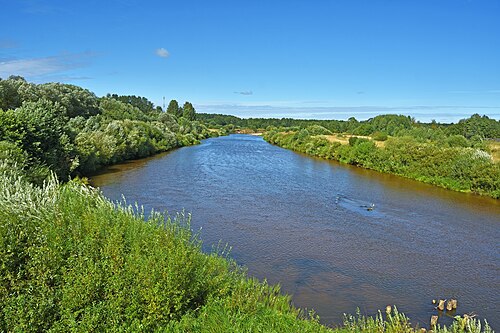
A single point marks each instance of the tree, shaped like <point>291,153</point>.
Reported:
<point>142,103</point>
<point>76,100</point>
<point>173,108</point>
<point>9,92</point>
<point>188,111</point>
<point>38,129</point>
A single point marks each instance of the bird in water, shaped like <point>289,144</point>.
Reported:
<point>371,207</point>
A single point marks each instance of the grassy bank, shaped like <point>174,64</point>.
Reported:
<point>456,167</point>
<point>72,261</point>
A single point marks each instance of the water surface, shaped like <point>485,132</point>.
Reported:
<point>303,223</point>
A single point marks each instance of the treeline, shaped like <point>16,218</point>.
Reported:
<point>477,127</point>
<point>69,130</point>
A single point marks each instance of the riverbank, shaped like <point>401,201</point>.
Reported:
<point>462,169</point>
<point>291,229</point>
<point>83,263</point>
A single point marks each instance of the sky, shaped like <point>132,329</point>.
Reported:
<point>323,59</point>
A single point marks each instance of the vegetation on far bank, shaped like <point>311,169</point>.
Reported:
<point>462,157</point>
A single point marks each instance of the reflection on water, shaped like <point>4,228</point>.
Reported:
<point>306,224</point>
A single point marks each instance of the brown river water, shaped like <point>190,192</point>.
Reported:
<point>303,222</point>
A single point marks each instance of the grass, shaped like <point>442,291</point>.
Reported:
<point>494,147</point>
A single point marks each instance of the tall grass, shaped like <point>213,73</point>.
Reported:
<point>72,261</point>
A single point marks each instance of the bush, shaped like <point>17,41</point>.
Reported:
<point>318,130</point>
<point>354,140</point>
<point>379,136</point>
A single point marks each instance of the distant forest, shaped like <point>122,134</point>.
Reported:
<point>477,127</point>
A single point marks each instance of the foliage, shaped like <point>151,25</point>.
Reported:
<point>318,130</point>
<point>391,125</point>
<point>9,92</point>
<point>116,109</point>
<point>379,136</point>
<point>141,103</point>
<point>38,129</point>
<point>174,109</point>
<point>397,322</point>
<point>483,127</point>
<point>188,111</point>
<point>455,165</point>
<point>67,129</point>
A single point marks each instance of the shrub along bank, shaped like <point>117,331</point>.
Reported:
<point>457,166</point>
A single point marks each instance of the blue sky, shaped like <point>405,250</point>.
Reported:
<point>432,59</point>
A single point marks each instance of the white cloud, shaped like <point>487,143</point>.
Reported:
<point>37,68</point>
<point>163,53</point>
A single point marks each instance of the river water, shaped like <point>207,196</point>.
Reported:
<point>303,223</point>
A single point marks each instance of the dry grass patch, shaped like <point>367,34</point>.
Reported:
<point>344,139</point>
<point>495,150</point>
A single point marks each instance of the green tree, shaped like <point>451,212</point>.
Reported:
<point>188,111</point>
<point>142,103</point>
<point>38,128</point>
<point>76,100</point>
<point>9,92</point>
<point>173,108</point>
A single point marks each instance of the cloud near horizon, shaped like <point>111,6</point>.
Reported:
<point>162,53</point>
<point>246,92</point>
<point>41,68</point>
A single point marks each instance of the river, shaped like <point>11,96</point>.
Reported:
<point>304,223</point>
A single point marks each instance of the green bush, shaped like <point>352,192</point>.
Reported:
<point>457,168</point>
<point>379,136</point>
<point>318,130</point>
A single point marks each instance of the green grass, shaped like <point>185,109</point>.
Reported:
<point>72,261</point>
